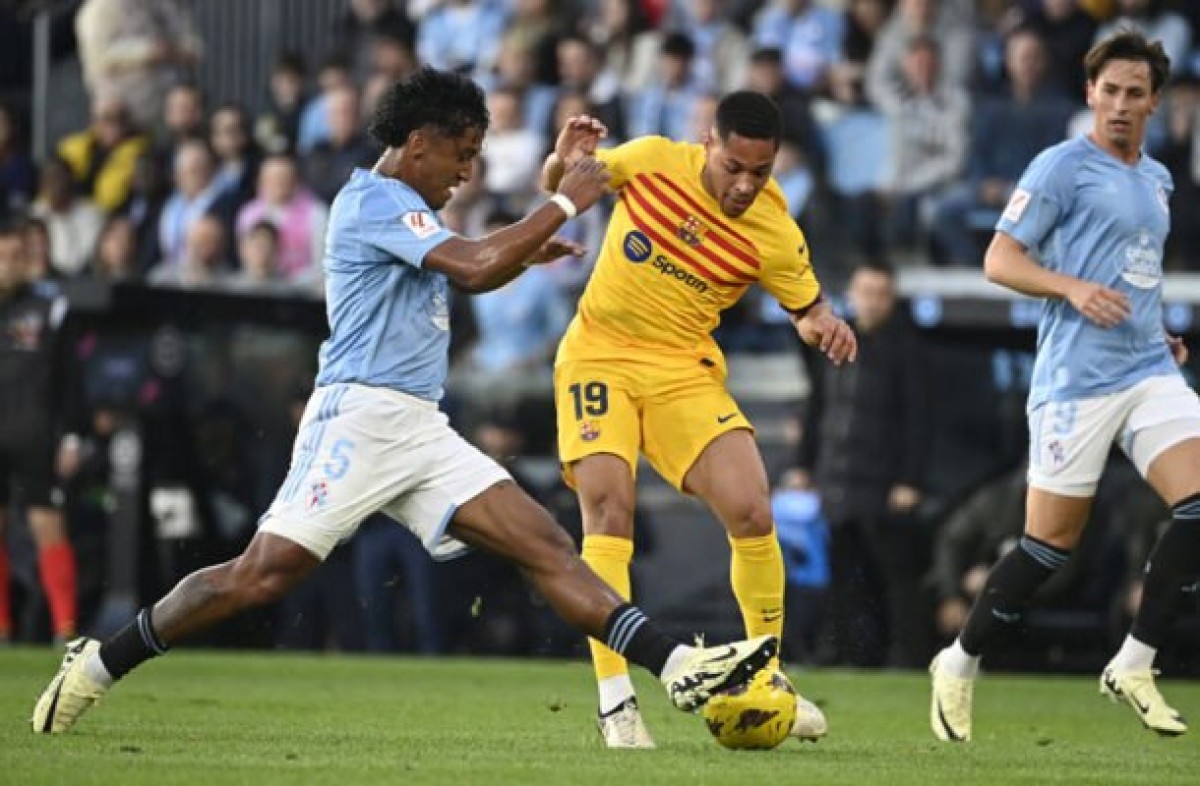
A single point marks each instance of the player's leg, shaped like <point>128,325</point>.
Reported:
<point>1069,446</point>
<point>599,433</point>
<point>1167,454</point>
<point>506,521</point>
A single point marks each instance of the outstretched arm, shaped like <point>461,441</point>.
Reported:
<point>577,140</point>
<point>494,260</point>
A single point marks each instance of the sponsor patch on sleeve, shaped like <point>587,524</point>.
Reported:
<point>1016,205</point>
<point>420,222</point>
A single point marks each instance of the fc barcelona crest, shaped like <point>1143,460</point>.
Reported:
<point>692,231</point>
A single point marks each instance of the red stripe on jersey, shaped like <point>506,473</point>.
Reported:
<point>645,204</point>
<point>647,226</point>
<point>705,214</point>
<point>713,234</point>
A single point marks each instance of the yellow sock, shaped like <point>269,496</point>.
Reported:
<point>756,573</point>
<point>609,557</point>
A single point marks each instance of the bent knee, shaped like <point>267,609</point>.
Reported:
<point>750,518</point>
<point>609,513</point>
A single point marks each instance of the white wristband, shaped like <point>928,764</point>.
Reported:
<point>566,204</point>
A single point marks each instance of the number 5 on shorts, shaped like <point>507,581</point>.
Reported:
<point>590,398</point>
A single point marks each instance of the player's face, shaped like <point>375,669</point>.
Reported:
<point>1123,99</point>
<point>445,163</point>
<point>12,261</point>
<point>737,170</point>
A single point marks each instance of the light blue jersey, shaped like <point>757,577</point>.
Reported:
<point>389,318</point>
<point>1084,213</point>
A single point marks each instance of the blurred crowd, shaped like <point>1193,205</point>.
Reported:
<point>907,123</point>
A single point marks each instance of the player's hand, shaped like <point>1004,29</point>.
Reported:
<point>831,334</point>
<point>1099,304</point>
<point>578,138</point>
<point>555,248</point>
<point>584,183</point>
<point>1179,350</point>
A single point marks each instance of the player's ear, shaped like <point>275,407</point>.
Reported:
<point>1089,86</point>
<point>415,144</point>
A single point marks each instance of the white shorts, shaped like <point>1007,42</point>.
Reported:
<point>1069,441</point>
<point>364,449</point>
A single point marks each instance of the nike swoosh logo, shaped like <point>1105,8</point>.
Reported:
<point>773,617</point>
<point>946,724</point>
<point>1142,708</point>
<point>726,418</point>
<point>730,652</point>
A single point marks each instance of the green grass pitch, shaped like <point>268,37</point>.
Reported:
<point>262,719</point>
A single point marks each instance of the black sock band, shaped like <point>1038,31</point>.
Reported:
<point>133,645</point>
<point>1171,573</point>
<point>1009,587</point>
<point>630,632</point>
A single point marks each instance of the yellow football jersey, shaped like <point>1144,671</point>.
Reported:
<point>672,261</point>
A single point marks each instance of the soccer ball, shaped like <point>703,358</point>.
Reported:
<point>755,716</point>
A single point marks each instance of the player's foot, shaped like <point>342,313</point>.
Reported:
<point>709,670</point>
<point>950,704</point>
<point>70,692</point>
<point>623,726</point>
<point>1138,690</point>
<point>810,724</point>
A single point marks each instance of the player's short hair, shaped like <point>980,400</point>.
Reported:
<point>12,227</point>
<point>1128,44</point>
<point>749,114</point>
<point>448,102</point>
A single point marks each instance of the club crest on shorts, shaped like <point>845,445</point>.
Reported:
<point>588,431</point>
<point>318,494</point>
<point>1056,454</point>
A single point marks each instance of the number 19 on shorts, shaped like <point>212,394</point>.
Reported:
<point>590,398</point>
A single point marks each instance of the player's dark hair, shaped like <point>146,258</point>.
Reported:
<point>449,103</point>
<point>12,227</point>
<point>1128,44</point>
<point>749,114</point>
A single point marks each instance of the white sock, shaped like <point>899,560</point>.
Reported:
<point>958,663</point>
<point>675,660</point>
<point>96,671</point>
<point>614,691</point>
<point>1133,656</point>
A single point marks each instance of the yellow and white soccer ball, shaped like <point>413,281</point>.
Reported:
<point>755,716</point>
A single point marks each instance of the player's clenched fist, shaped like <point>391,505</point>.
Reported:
<point>584,183</point>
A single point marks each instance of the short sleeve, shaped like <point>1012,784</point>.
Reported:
<point>638,155</point>
<point>788,273</point>
<point>1039,200</point>
<point>400,228</point>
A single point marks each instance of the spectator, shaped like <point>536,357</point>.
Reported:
<point>1006,133</point>
<point>515,69</point>
<point>202,262</point>
<point>29,324</point>
<point>37,250</point>
<point>804,539</point>
<point>807,33</point>
<point>1069,31</point>
<point>520,323</point>
<point>461,35</point>
<point>277,128</point>
<point>928,128</point>
<point>364,24</point>
<point>116,258</point>
<point>237,155</point>
<point>1157,23</point>
<point>513,154</point>
<point>663,106</point>
<point>147,197</point>
<point>581,69</point>
<point>799,128</point>
<point>258,261</point>
<point>328,165</point>
<point>866,436</point>
<point>195,194</point>
<point>103,156</point>
<point>298,215</point>
<point>621,30</point>
<point>887,79</point>
<point>865,20</point>
<point>722,51</point>
<point>18,176</point>
<point>334,75</point>
<point>135,49</point>
<point>73,222</point>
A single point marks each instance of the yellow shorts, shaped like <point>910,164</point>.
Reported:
<point>668,409</point>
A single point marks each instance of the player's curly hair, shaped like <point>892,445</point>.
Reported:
<point>445,101</point>
<point>749,114</point>
<point>1129,44</point>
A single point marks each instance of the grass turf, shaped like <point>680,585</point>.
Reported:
<point>261,719</point>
